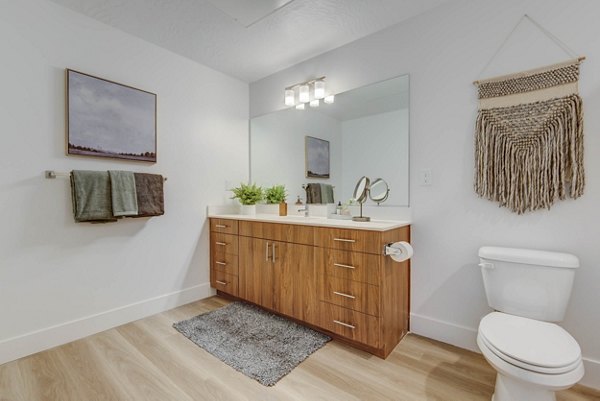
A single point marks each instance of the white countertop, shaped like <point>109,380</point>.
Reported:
<point>373,225</point>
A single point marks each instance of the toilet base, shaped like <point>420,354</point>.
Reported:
<point>509,389</point>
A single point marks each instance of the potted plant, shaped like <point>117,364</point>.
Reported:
<point>248,195</point>
<point>277,195</point>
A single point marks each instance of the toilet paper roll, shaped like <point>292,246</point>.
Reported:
<point>399,251</point>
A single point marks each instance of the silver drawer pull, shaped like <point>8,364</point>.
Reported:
<point>221,282</point>
<point>344,240</point>
<point>345,266</point>
<point>221,243</point>
<point>341,294</point>
<point>344,324</point>
<point>221,263</point>
<point>221,226</point>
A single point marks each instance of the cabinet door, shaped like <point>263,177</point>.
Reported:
<point>256,271</point>
<point>295,287</point>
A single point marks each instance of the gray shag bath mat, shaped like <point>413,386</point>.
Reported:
<point>257,343</point>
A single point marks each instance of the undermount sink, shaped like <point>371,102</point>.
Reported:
<point>302,218</point>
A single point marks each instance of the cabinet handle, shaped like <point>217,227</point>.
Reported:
<point>221,282</point>
<point>345,266</point>
<point>344,324</point>
<point>267,252</point>
<point>221,263</point>
<point>221,243</point>
<point>221,226</point>
<point>344,240</point>
<point>341,294</point>
<point>273,253</point>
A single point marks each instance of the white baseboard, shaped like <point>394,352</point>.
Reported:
<point>592,373</point>
<point>466,337</point>
<point>49,337</point>
<point>446,332</point>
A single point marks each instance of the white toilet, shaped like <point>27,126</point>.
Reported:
<point>529,290</point>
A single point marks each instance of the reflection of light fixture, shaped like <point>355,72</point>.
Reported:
<point>319,89</point>
<point>289,97</point>
<point>310,92</point>
<point>303,95</point>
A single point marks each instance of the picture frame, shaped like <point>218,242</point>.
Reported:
<point>108,119</point>
<point>317,157</point>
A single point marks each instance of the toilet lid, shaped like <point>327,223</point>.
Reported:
<point>535,343</point>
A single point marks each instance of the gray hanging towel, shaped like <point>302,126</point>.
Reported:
<point>313,193</point>
<point>123,193</point>
<point>326,193</point>
<point>150,195</point>
<point>90,193</point>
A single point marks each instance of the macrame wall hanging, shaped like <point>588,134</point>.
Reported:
<point>529,135</point>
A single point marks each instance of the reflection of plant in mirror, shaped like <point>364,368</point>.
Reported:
<point>247,194</point>
<point>276,194</point>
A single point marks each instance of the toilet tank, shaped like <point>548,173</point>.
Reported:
<point>528,283</point>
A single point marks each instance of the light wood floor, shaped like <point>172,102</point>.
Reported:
<point>148,360</point>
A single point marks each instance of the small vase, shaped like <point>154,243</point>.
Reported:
<point>283,209</point>
<point>248,210</point>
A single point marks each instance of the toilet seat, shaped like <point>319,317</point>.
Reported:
<point>533,345</point>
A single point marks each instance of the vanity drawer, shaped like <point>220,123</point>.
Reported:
<point>224,243</point>
<point>226,263</point>
<point>296,234</point>
<point>355,295</point>
<point>349,240</point>
<point>348,265</point>
<point>350,324</point>
<point>224,226</point>
<point>225,282</point>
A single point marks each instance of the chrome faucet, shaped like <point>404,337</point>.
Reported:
<point>305,210</point>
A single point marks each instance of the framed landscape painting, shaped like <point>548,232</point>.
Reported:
<point>317,158</point>
<point>108,119</point>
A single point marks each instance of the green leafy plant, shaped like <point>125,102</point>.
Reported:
<point>247,194</point>
<point>276,194</point>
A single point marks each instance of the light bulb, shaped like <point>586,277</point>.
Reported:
<point>314,103</point>
<point>319,89</point>
<point>329,99</point>
<point>303,95</point>
<point>289,97</point>
<point>300,106</point>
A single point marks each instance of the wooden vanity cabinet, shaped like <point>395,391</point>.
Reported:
<point>336,280</point>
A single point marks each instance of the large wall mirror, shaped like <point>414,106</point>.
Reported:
<point>367,130</point>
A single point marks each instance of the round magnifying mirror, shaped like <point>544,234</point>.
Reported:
<point>379,191</point>
<point>361,190</point>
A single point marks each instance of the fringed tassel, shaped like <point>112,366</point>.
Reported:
<point>526,171</point>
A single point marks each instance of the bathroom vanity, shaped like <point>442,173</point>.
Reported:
<point>329,274</point>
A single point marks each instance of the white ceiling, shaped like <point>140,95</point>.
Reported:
<point>250,42</point>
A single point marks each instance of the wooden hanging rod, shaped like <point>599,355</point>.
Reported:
<point>51,174</point>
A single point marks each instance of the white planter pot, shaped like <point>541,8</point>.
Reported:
<point>248,210</point>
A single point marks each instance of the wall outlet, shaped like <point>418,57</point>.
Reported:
<point>425,178</point>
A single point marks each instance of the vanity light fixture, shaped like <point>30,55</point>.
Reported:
<point>311,92</point>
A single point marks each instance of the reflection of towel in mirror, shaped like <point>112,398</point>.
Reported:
<point>313,193</point>
<point>91,197</point>
<point>150,196</point>
<point>326,193</point>
<point>123,193</point>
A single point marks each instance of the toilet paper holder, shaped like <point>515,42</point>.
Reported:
<point>398,251</point>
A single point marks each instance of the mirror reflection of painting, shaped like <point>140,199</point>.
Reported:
<point>107,119</point>
<point>317,158</point>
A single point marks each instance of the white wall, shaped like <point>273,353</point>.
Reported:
<point>444,51</point>
<point>377,146</point>
<point>60,280</point>
<point>286,130</point>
